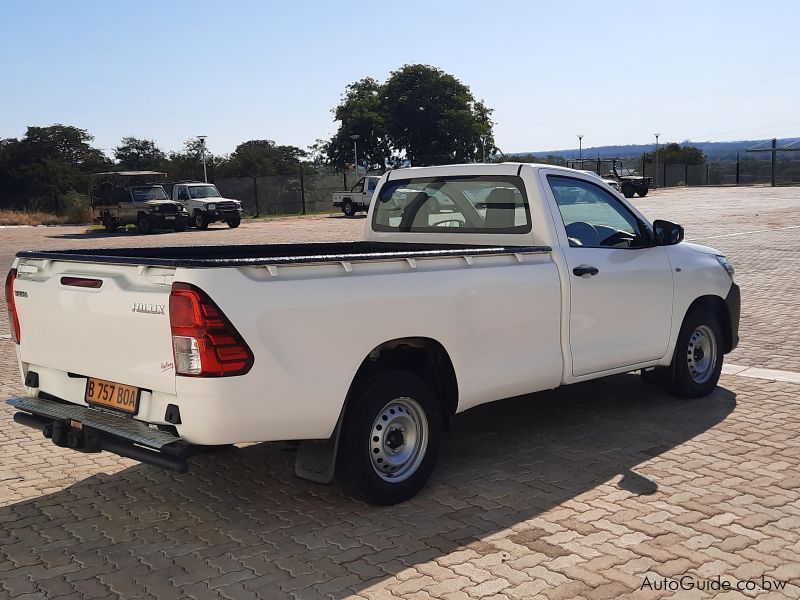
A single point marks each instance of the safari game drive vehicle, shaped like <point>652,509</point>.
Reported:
<point>358,198</point>
<point>205,204</point>
<point>134,198</point>
<point>472,283</point>
<point>630,182</point>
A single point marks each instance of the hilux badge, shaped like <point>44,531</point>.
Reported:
<point>149,309</point>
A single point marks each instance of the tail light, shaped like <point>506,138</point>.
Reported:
<point>204,342</point>
<point>13,319</point>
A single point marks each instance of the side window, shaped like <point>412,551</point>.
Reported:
<point>183,193</point>
<point>593,217</point>
<point>371,185</point>
<point>359,187</point>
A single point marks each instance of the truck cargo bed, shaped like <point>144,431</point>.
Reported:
<point>271,254</point>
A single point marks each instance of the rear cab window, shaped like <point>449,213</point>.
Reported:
<point>458,204</point>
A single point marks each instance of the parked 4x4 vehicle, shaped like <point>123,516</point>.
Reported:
<point>206,205</point>
<point>629,181</point>
<point>359,196</point>
<point>472,283</point>
<point>134,198</point>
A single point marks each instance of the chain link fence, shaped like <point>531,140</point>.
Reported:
<point>286,194</point>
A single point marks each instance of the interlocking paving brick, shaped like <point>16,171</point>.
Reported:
<point>577,493</point>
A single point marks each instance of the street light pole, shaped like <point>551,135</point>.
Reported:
<point>655,182</point>
<point>355,137</point>
<point>202,139</point>
<point>580,148</point>
<point>483,148</point>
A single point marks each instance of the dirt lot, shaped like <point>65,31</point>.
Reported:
<point>592,491</point>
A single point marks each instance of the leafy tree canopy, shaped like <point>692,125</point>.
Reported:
<point>262,157</point>
<point>677,154</point>
<point>420,112</point>
<point>55,158</point>
<point>135,154</point>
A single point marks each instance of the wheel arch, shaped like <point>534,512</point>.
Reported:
<point>715,305</point>
<point>423,356</point>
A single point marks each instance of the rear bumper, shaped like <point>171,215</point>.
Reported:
<point>733,302</point>
<point>88,430</point>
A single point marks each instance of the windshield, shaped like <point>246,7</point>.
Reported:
<point>143,194</point>
<point>203,191</point>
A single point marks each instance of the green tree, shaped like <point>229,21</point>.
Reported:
<point>360,113</point>
<point>261,157</point>
<point>136,154</point>
<point>677,155</point>
<point>48,161</point>
<point>434,119</point>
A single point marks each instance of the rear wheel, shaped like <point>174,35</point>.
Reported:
<point>697,362</point>
<point>642,192</point>
<point>349,208</point>
<point>144,225</point>
<point>628,190</point>
<point>390,437</point>
<point>200,221</point>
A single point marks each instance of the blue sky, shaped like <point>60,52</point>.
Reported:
<point>615,72</point>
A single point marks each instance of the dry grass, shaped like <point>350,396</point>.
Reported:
<point>20,217</point>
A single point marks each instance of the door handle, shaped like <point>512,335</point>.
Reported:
<point>584,270</point>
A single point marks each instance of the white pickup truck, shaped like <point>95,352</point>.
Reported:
<point>358,198</point>
<point>206,205</point>
<point>473,283</point>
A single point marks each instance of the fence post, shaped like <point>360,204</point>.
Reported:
<point>644,173</point>
<point>774,157</point>
<point>255,195</point>
<point>302,190</point>
<point>686,175</point>
<point>665,173</point>
<point>707,173</point>
<point>344,180</point>
<point>737,168</point>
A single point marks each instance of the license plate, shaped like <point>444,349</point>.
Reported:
<point>170,218</point>
<point>112,395</point>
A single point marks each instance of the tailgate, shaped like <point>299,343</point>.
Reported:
<point>97,320</point>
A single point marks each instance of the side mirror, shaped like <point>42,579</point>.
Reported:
<point>667,233</point>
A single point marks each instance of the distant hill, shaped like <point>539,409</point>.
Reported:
<point>713,150</point>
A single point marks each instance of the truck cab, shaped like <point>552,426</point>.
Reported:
<point>206,205</point>
<point>134,198</point>
<point>358,198</point>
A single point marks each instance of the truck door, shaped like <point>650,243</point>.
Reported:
<point>620,285</point>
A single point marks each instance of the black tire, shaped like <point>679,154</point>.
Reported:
<point>369,399</point>
<point>683,379</point>
<point>110,225</point>
<point>144,225</point>
<point>349,208</point>
<point>234,223</point>
<point>642,192</point>
<point>200,221</point>
<point>628,190</point>
<point>181,227</point>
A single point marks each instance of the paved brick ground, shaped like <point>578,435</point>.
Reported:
<point>578,493</point>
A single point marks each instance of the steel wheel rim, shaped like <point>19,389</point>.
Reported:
<point>398,440</point>
<point>701,355</point>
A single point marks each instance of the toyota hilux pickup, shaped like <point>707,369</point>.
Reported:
<point>473,283</point>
